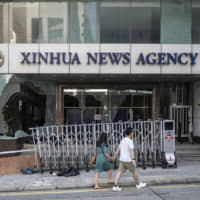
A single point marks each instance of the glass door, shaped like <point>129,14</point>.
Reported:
<point>104,105</point>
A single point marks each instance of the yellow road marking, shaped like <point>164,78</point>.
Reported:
<point>92,190</point>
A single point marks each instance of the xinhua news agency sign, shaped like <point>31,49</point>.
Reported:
<point>104,58</point>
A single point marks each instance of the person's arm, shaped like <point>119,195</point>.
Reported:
<point>108,156</point>
<point>133,156</point>
<point>105,151</point>
<point>117,151</point>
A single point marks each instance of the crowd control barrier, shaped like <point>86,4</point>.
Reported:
<point>60,147</point>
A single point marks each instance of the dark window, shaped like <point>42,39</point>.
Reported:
<point>195,21</point>
<point>36,30</point>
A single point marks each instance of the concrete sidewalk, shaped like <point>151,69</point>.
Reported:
<point>188,171</point>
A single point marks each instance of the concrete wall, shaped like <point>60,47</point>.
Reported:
<point>196,109</point>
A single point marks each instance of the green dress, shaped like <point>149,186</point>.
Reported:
<point>102,163</point>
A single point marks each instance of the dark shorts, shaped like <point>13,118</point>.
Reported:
<point>123,166</point>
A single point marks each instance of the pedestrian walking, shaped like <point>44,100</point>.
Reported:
<point>127,160</point>
<point>103,160</point>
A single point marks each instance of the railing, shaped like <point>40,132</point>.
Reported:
<point>65,145</point>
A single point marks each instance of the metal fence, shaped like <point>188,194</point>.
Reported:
<point>65,145</point>
<point>182,114</point>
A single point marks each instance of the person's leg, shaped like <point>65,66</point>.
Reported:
<point>135,176</point>
<point>132,169</point>
<point>97,180</point>
<point>110,176</point>
<point>118,177</point>
<point>116,187</point>
<point>122,169</point>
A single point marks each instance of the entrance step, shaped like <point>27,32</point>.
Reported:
<point>188,149</point>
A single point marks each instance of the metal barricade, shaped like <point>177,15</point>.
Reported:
<point>65,145</point>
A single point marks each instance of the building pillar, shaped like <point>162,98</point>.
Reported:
<point>59,105</point>
<point>156,103</point>
<point>5,16</point>
<point>50,110</point>
<point>196,109</point>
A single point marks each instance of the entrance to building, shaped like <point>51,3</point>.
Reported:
<point>183,120</point>
<point>106,105</point>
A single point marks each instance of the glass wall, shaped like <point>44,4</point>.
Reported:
<point>35,22</point>
<point>115,21</point>
<point>21,17</point>
<point>50,21</point>
<point>195,21</point>
<point>100,21</point>
<point>53,21</point>
<point>84,21</point>
<point>145,21</point>
<point>128,21</point>
<point>25,103</point>
<point>103,105</point>
<point>176,21</point>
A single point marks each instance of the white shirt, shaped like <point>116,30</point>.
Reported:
<point>125,145</point>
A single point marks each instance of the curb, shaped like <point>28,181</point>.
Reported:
<point>149,183</point>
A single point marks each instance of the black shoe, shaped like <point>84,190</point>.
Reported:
<point>72,172</point>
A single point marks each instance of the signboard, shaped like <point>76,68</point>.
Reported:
<point>99,58</point>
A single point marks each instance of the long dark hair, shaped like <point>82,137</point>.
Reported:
<point>102,139</point>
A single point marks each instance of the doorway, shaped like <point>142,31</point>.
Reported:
<point>106,105</point>
<point>182,114</point>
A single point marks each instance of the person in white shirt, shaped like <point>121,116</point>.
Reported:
<point>127,160</point>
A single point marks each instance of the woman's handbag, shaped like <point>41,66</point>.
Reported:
<point>93,160</point>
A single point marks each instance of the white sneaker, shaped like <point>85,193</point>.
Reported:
<point>141,185</point>
<point>116,188</point>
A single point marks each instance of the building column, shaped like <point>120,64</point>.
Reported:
<point>50,112</point>
<point>156,103</point>
<point>59,105</point>
<point>196,109</point>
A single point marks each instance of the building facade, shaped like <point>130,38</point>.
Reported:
<point>83,61</point>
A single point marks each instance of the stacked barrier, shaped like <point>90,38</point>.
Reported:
<point>74,145</point>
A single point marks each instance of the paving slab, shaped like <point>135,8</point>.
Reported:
<point>188,171</point>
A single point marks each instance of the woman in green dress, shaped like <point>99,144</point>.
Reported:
<point>103,160</point>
